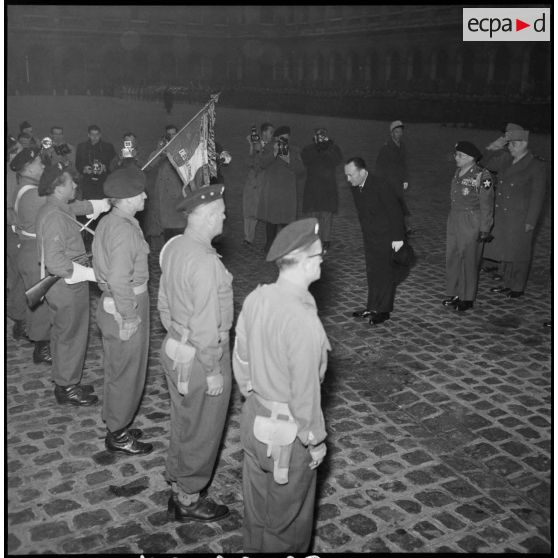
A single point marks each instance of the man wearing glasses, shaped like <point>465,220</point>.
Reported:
<point>279,362</point>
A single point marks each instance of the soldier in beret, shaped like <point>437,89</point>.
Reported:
<point>469,224</point>
<point>520,193</point>
<point>279,362</point>
<point>120,264</point>
<point>59,245</point>
<point>196,308</point>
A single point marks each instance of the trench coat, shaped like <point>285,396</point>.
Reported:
<point>520,193</point>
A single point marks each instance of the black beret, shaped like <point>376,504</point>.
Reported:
<point>469,149</point>
<point>50,174</point>
<point>25,156</point>
<point>281,131</point>
<point>293,236</point>
<point>125,182</point>
<point>200,196</point>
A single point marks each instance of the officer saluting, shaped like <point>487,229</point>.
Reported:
<point>469,224</point>
<point>120,263</point>
<point>279,361</point>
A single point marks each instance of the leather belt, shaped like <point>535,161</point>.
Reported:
<point>138,289</point>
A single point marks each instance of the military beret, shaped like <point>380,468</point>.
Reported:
<point>24,125</point>
<point>514,132</point>
<point>50,174</point>
<point>396,124</point>
<point>292,237</point>
<point>469,149</point>
<point>200,196</point>
<point>282,130</point>
<point>24,157</point>
<point>125,182</point>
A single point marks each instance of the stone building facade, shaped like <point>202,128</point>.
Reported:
<point>382,48</point>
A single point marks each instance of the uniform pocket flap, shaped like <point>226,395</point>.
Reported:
<point>178,352</point>
<point>274,431</point>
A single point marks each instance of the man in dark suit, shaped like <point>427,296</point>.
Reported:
<point>383,230</point>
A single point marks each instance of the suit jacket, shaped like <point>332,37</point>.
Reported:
<point>379,212</point>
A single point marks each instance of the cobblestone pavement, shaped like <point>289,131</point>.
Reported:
<point>439,423</point>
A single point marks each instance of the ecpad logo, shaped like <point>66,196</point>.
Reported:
<point>506,24</point>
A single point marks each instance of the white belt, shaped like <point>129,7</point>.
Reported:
<point>25,233</point>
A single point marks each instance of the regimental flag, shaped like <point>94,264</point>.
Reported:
<point>192,150</point>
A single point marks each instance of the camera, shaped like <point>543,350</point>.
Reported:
<point>97,167</point>
<point>254,136</point>
<point>320,137</point>
<point>128,144</point>
<point>46,143</point>
<point>62,149</point>
<point>283,146</point>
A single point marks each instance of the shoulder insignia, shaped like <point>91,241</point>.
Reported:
<point>486,181</point>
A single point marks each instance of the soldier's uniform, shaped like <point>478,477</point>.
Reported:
<point>59,241</point>
<point>279,361</point>
<point>196,308</point>
<point>120,255</point>
<point>472,209</point>
<point>520,193</point>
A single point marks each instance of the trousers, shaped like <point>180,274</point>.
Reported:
<point>69,312</point>
<point>125,365</point>
<point>277,517</point>
<point>196,425</point>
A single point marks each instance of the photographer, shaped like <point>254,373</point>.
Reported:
<point>93,158</point>
<point>128,155</point>
<point>320,199</point>
<point>278,201</point>
<point>61,151</point>
<point>254,181</point>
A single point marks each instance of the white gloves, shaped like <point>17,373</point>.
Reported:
<point>80,274</point>
<point>396,245</point>
<point>99,206</point>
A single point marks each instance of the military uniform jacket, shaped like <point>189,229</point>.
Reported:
<point>281,353</point>
<point>120,259</point>
<point>520,193</point>
<point>195,292</point>
<point>474,192</point>
<point>59,234</point>
<point>320,189</point>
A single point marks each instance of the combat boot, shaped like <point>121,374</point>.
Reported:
<point>42,352</point>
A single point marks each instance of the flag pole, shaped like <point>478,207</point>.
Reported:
<point>213,99</point>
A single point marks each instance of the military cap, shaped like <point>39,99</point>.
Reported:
<point>469,149</point>
<point>125,182</point>
<point>292,237</point>
<point>24,157</point>
<point>50,174</point>
<point>396,124</point>
<point>24,125</point>
<point>199,196</point>
<point>514,132</point>
<point>282,130</point>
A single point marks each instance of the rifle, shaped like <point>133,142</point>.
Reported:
<point>36,293</point>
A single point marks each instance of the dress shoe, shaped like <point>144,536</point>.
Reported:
<point>204,510</point>
<point>496,277</point>
<point>451,302</point>
<point>503,290</point>
<point>378,317</point>
<point>362,314</point>
<point>464,305</point>
<point>547,323</point>
<point>19,331</point>
<point>126,443</point>
<point>514,294</point>
<point>42,352</point>
<point>74,395</point>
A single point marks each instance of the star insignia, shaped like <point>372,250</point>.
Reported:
<point>486,183</point>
